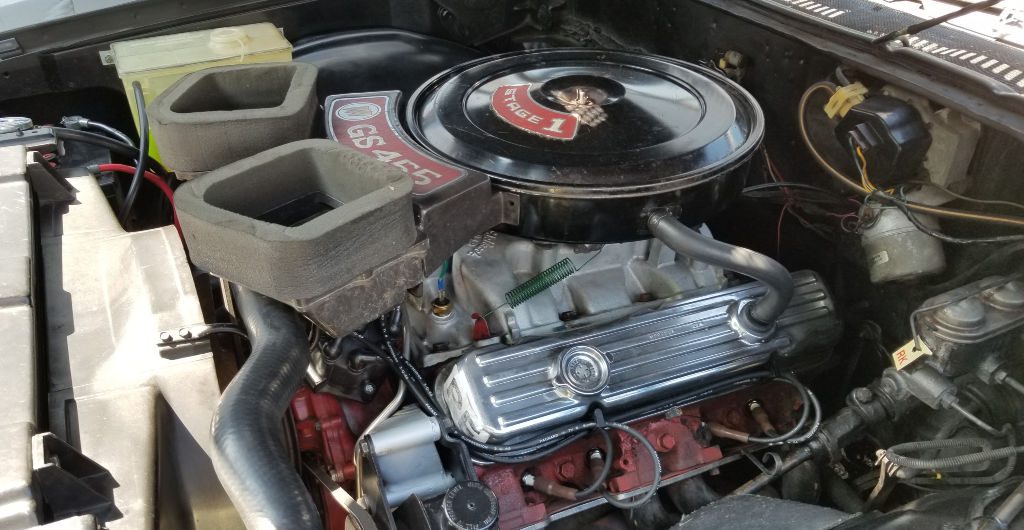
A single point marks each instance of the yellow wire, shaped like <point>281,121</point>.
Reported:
<point>865,182</point>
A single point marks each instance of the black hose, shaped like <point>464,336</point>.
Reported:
<point>688,242</point>
<point>142,160</point>
<point>893,454</point>
<point>249,453</point>
<point>842,494</point>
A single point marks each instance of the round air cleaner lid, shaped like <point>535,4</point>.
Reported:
<point>572,124</point>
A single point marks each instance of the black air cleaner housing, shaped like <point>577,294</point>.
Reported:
<point>585,142</point>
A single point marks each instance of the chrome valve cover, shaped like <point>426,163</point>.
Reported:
<point>498,392</point>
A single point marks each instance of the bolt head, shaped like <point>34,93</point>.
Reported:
<point>862,395</point>
<point>185,333</point>
<point>567,470</point>
<point>369,388</point>
<point>166,337</point>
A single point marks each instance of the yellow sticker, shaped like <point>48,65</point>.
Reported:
<point>909,353</point>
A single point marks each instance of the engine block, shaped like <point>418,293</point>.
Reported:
<point>498,392</point>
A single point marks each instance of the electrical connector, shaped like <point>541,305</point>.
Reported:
<point>844,99</point>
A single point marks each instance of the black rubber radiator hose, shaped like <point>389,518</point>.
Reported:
<point>688,242</point>
<point>249,453</point>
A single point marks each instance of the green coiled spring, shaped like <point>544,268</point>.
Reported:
<point>540,283</point>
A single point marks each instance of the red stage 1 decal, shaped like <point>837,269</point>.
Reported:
<point>366,124</point>
<point>515,106</point>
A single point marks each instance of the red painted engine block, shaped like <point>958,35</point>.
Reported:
<point>679,436</point>
<point>325,426</point>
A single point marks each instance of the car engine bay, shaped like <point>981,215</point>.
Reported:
<point>465,266</point>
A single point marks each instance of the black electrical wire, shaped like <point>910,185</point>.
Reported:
<point>932,22</point>
<point>527,457</point>
<point>425,400</point>
<point>994,257</point>
<point>86,123</point>
<point>815,425</point>
<point>542,440</point>
<point>406,363</point>
<point>706,392</point>
<point>656,481</point>
<point>110,144</point>
<point>606,465</point>
<point>793,185</point>
<point>809,404</point>
<point>142,159</point>
<point>901,205</point>
<point>980,423</point>
<point>99,140</point>
<point>111,132</point>
<point>955,195</point>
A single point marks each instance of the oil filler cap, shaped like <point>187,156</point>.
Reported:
<point>470,506</point>
<point>584,370</point>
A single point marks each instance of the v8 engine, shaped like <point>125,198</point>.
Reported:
<point>621,265</point>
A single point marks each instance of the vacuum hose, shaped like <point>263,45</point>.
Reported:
<point>249,453</point>
<point>688,242</point>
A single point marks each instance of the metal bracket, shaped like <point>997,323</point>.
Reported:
<point>357,512</point>
<point>507,206</point>
<point>182,341</point>
<point>70,482</point>
<point>107,57</point>
<point>9,47</point>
